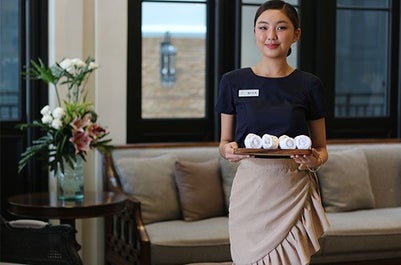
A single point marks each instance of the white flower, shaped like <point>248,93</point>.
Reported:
<point>57,123</point>
<point>46,110</point>
<point>58,113</point>
<point>78,63</point>
<point>93,66</point>
<point>47,119</point>
<point>67,65</point>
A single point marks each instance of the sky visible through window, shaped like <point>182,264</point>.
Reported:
<point>184,20</point>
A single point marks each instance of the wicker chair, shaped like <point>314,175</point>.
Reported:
<point>38,243</point>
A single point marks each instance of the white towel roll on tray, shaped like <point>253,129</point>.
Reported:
<point>303,142</point>
<point>269,141</point>
<point>253,141</point>
<point>286,142</point>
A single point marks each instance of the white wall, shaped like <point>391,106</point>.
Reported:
<point>82,28</point>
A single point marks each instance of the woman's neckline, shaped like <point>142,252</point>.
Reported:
<point>273,77</point>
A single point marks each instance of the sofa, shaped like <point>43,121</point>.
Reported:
<point>180,195</point>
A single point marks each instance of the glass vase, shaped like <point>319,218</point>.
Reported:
<point>70,184</point>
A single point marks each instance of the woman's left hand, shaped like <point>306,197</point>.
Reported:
<point>312,160</point>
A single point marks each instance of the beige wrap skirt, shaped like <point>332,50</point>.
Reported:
<point>276,215</point>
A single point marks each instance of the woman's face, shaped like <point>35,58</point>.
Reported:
<point>274,33</point>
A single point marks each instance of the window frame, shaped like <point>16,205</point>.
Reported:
<point>33,27</point>
<point>166,129</point>
<point>318,56</point>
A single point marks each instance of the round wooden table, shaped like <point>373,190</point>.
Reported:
<point>46,206</point>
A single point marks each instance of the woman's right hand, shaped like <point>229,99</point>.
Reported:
<point>229,152</point>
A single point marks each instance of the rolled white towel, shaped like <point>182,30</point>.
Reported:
<point>269,141</point>
<point>286,142</point>
<point>303,142</point>
<point>253,141</point>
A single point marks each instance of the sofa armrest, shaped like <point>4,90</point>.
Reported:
<point>126,239</point>
<point>111,181</point>
<point>143,238</point>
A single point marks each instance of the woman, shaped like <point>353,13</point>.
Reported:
<point>275,215</point>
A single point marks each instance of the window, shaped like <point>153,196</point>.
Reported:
<point>10,61</point>
<point>353,46</point>
<point>362,59</point>
<point>23,36</point>
<point>173,59</point>
<point>170,71</point>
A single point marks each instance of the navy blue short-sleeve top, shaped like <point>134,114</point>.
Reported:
<point>275,106</point>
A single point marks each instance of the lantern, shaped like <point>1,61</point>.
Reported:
<point>167,61</point>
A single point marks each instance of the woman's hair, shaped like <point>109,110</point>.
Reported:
<point>287,9</point>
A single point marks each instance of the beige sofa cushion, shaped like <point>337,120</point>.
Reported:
<point>181,242</point>
<point>384,162</point>
<point>200,190</point>
<point>383,221</point>
<point>345,183</point>
<point>151,181</point>
<point>361,235</point>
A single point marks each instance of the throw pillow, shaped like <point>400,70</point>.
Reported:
<point>151,181</point>
<point>345,183</point>
<point>228,170</point>
<point>199,188</point>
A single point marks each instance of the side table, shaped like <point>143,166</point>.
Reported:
<point>46,206</point>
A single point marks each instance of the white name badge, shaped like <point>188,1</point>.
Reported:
<point>248,93</point>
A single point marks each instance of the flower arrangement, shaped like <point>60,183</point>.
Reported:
<point>71,128</point>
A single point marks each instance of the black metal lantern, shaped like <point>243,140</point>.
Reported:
<point>167,61</point>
